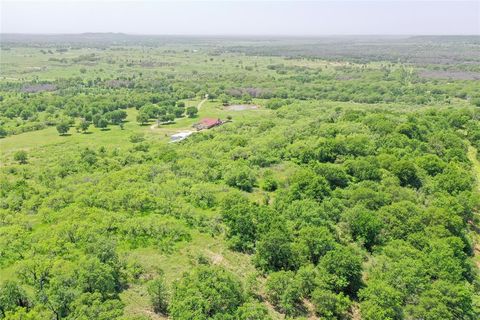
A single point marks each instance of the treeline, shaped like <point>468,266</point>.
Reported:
<point>38,104</point>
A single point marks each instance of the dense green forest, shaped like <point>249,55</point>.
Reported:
<point>341,183</point>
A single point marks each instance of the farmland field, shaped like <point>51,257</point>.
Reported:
<point>342,182</point>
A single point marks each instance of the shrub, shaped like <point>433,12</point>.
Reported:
<point>241,178</point>
<point>21,156</point>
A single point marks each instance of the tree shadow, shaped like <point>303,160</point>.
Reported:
<point>474,226</point>
<point>298,310</point>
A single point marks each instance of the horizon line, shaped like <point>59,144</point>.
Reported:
<point>237,35</point>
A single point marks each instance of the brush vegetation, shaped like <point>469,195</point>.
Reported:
<point>350,190</point>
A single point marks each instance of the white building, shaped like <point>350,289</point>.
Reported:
<point>180,136</point>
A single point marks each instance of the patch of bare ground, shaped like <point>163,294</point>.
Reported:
<point>152,315</point>
<point>355,312</point>
<point>310,308</point>
<point>216,258</point>
<point>241,107</point>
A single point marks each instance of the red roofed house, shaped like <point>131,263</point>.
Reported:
<point>207,123</point>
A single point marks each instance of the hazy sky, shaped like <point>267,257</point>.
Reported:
<point>242,17</point>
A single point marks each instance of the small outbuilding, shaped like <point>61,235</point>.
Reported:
<point>207,123</point>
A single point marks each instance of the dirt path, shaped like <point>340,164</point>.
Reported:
<point>201,103</point>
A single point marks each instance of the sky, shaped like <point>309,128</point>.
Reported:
<point>293,18</point>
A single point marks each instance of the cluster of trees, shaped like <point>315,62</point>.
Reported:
<point>20,112</point>
<point>85,289</point>
<point>382,190</point>
<point>164,113</point>
<point>206,292</point>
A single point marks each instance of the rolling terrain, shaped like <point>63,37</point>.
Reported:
<point>338,186</point>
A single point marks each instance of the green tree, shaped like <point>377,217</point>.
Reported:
<point>252,311</point>
<point>445,300</point>
<point>380,301</point>
<point>157,289</point>
<point>89,156</point>
<point>305,184</point>
<point>84,124</point>
<point>12,296</point>
<point>345,265</point>
<point>192,111</point>
<point>95,276</point>
<point>330,305</point>
<point>240,177</point>
<point>3,132</point>
<point>94,306</point>
<point>406,171</point>
<point>454,179</point>
<point>269,183</point>
<point>475,101</point>
<point>275,251</point>
<point>431,163</point>
<point>61,290</point>
<point>247,98</point>
<point>317,241</point>
<point>137,137</point>
<point>178,112</point>
<point>275,103</point>
<point>238,215</point>
<point>63,127</point>
<point>181,104</point>
<point>364,225</point>
<point>206,292</point>
<point>166,118</point>
<point>142,117</point>
<point>224,99</point>
<point>36,313</point>
<point>284,291</point>
<point>117,116</point>
<point>364,169</point>
<point>102,123</point>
